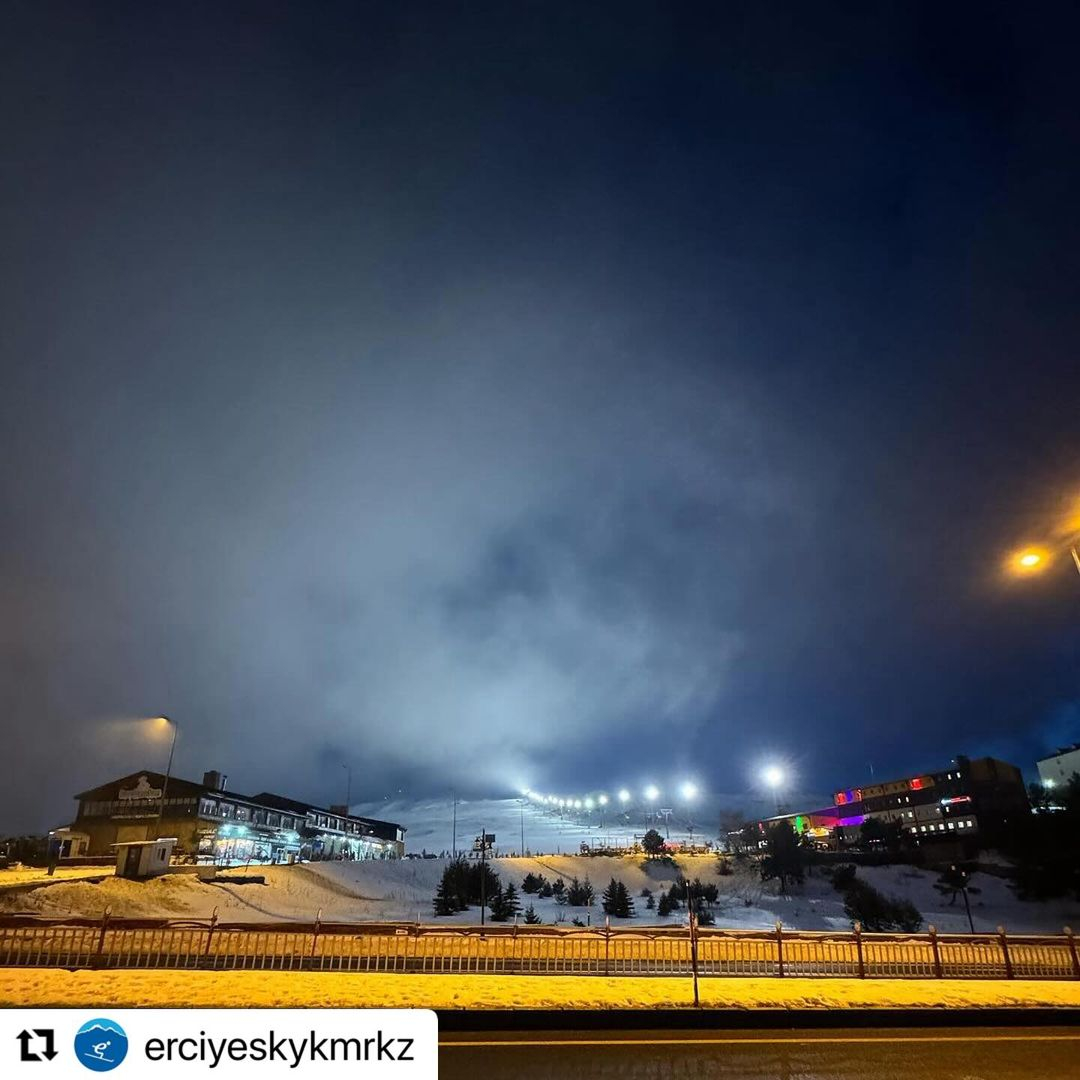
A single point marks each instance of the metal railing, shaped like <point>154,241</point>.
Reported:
<point>30,941</point>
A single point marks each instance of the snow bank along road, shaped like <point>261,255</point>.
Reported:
<point>254,989</point>
<point>1010,1054</point>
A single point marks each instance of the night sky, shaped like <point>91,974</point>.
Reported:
<point>560,395</point>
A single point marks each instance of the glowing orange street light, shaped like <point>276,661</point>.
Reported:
<point>1031,560</point>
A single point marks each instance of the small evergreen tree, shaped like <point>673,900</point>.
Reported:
<point>558,886</point>
<point>531,918</point>
<point>482,872</point>
<point>580,893</point>
<point>652,843</point>
<point>546,890</point>
<point>532,883</point>
<point>511,904</point>
<point>650,902</point>
<point>445,903</point>
<point>665,905</point>
<point>608,898</point>
<point>783,859</point>
<point>617,901</point>
<point>497,907</point>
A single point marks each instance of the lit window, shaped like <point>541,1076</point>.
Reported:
<point>950,824</point>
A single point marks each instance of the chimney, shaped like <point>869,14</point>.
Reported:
<point>214,780</point>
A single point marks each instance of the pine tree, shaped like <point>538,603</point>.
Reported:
<point>625,902</point>
<point>532,883</point>
<point>652,843</point>
<point>546,890</point>
<point>481,871</point>
<point>609,899</point>
<point>531,917</point>
<point>665,906</point>
<point>783,858</point>
<point>558,886</point>
<point>511,904</point>
<point>497,902</point>
<point>445,902</point>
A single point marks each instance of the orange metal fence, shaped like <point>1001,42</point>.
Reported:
<point>27,941</point>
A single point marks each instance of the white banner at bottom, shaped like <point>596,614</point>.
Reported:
<point>65,1044</point>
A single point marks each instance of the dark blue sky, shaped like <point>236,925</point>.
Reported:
<point>534,394</point>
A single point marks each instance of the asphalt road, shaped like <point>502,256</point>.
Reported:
<point>939,1054</point>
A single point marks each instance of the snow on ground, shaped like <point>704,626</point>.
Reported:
<point>18,876</point>
<point>403,891</point>
<point>30,988</point>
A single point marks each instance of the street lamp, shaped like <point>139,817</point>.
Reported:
<point>1031,560</point>
<point>1034,560</point>
<point>163,723</point>
<point>689,791</point>
<point>624,796</point>
<point>773,776</point>
<point>652,793</point>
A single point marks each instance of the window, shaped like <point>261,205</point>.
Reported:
<point>207,807</point>
<point>243,813</point>
<point>228,811</point>
<point>286,821</point>
<point>273,820</point>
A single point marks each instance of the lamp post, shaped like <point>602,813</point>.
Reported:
<point>689,792</point>
<point>168,772</point>
<point>651,793</point>
<point>774,777</point>
<point>348,785</point>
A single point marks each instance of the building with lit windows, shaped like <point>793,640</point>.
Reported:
<point>213,825</point>
<point>1059,768</point>
<point>972,797</point>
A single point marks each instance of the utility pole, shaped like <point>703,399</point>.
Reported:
<point>693,938</point>
<point>521,807</point>
<point>455,823</point>
<point>348,785</point>
<point>483,872</point>
<point>168,773</point>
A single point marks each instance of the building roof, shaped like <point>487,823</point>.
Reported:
<point>177,785</point>
<point>1061,751</point>
<point>280,802</point>
<point>265,799</point>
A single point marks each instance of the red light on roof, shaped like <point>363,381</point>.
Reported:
<point>916,784</point>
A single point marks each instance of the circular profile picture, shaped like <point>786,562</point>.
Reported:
<point>101,1045</point>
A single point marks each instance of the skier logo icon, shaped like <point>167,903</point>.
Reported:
<point>101,1045</point>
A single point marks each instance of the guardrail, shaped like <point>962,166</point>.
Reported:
<point>30,941</point>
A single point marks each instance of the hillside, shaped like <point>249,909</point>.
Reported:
<point>393,891</point>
